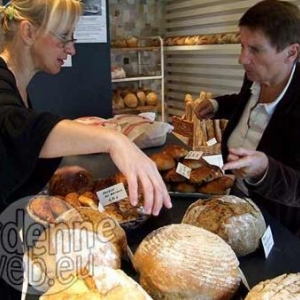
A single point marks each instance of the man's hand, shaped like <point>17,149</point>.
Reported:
<point>204,110</point>
<point>247,164</point>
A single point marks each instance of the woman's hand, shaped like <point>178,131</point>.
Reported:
<point>73,138</point>
<point>247,164</point>
<point>139,169</point>
<point>204,110</point>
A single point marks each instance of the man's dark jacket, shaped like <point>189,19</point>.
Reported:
<point>279,193</point>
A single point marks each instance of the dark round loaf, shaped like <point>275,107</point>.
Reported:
<point>70,179</point>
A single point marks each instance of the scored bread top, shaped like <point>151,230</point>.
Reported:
<point>181,261</point>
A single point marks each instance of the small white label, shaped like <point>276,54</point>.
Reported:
<point>194,155</point>
<point>267,241</point>
<point>112,194</point>
<point>211,142</point>
<point>216,160</point>
<point>183,170</point>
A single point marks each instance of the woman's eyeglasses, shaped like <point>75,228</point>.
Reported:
<point>64,42</point>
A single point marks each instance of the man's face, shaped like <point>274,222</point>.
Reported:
<point>261,61</point>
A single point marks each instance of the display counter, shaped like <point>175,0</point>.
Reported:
<point>283,258</point>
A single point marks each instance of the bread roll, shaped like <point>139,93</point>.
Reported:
<point>141,97</point>
<point>151,98</point>
<point>104,283</point>
<point>195,163</point>
<point>283,287</point>
<point>132,42</point>
<point>46,209</point>
<point>164,161</point>
<point>172,176</point>
<point>184,187</point>
<point>177,151</point>
<point>131,100</point>
<point>181,261</point>
<point>237,221</point>
<point>70,179</point>
<point>217,186</point>
<point>205,173</point>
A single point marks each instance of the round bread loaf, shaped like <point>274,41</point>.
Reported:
<point>163,161</point>
<point>70,179</point>
<point>103,283</point>
<point>84,238</point>
<point>131,100</point>
<point>181,261</point>
<point>283,287</point>
<point>237,221</point>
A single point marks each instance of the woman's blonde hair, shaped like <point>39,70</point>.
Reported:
<point>50,15</point>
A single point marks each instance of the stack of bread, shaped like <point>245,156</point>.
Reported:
<point>204,178</point>
<point>205,39</point>
<point>134,98</point>
<point>238,221</point>
<point>199,132</point>
<point>181,261</point>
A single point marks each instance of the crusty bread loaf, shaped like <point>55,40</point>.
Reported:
<point>237,221</point>
<point>283,287</point>
<point>46,209</point>
<point>176,151</point>
<point>181,261</point>
<point>206,173</point>
<point>84,238</point>
<point>104,283</point>
<point>163,161</point>
<point>70,179</point>
<point>218,186</point>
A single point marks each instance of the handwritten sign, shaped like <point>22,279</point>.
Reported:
<point>194,155</point>
<point>183,170</point>
<point>112,194</point>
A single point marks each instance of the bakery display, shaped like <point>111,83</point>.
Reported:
<point>283,287</point>
<point>204,134</point>
<point>181,261</point>
<point>205,39</point>
<point>204,178</point>
<point>102,283</point>
<point>142,99</point>
<point>238,221</point>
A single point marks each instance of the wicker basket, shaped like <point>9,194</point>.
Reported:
<point>185,128</point>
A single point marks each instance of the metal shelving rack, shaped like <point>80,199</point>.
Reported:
<point>139,78</point>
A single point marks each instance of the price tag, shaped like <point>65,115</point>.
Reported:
<point>211,142</point>
<point>267,241</point>
<point>183,170</point>
<point>216,160</point>
<point>194,155</point>
<point>112,194</point>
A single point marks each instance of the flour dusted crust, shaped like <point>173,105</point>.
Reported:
<point>283,287</point>
<point>237,221</point>
<point>181,261</point>
<point>83,238</point>
<point>103,283</point>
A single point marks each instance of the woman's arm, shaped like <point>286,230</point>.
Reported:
<point>72,138</point>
